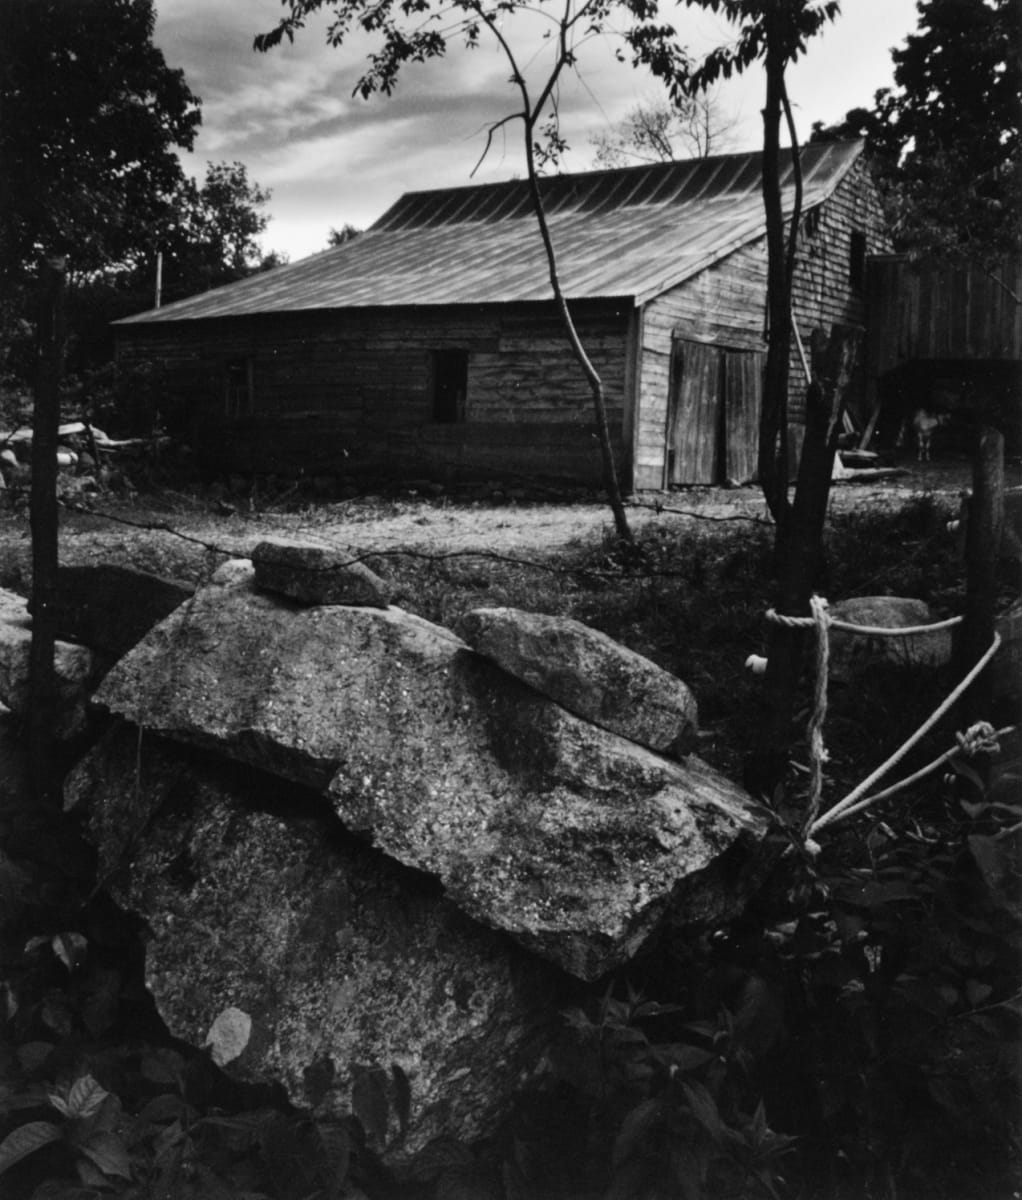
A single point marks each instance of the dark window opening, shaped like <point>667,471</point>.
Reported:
<point>857,260</point>
<point>238,388</point>
<point>450,385</point>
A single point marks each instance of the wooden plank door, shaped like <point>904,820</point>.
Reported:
<point>743,386</point>
<point>694,412</point>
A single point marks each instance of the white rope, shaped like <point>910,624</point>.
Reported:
<point>814,730</point>
<point>990,745</point>
<point>864,630</point>
<point>842,806</point>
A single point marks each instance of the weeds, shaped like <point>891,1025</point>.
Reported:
<point>852,1037</point>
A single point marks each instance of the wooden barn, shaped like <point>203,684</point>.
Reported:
<point>946,337</point>
<point>429,345</point>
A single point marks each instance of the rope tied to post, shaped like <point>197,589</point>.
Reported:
<point>980,738</point>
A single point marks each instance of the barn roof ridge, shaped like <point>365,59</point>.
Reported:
<point>662,223</point>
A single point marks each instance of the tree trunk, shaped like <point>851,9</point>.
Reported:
<point>801,560</point>
<point>982,549</point>
<point>610,477</point>
<point>43,521</point>
<point>773,422</point>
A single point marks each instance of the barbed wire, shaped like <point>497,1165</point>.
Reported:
<point>364,557</point>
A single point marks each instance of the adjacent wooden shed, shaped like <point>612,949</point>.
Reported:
<point>947,337</point>
<point>430,344</point>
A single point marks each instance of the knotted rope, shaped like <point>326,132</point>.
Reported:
<point>979,738</point>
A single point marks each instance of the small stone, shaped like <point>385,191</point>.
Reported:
<point>313,574</point>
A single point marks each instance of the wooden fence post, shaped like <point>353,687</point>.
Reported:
<point>43,522</point>
<point>982,550</point>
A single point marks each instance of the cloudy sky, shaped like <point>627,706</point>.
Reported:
<point>331,158</point>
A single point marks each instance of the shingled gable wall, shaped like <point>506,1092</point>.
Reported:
<point>725,305</point>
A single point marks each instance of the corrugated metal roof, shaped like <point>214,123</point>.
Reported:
<point>629,233</point>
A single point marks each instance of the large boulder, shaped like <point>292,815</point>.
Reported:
<point>302,955</point>
<point>589,674</point>
<point>573,839</point>
<point>852,652</point>
<point>75,669</point>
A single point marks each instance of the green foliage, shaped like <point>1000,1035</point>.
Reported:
<point>92,119</point>
<point>946,138</point>
<point>666,1117</point>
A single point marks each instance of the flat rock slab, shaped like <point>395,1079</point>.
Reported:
<point>328,958</point>
<point>75,667</point>
<point>569,837</point>
<point>589,674</point>
<point>852,652</point>
<point>313,574</point>
<point>109,608</point>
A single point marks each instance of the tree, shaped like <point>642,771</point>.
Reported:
<point>656,131</point>
<point>947,138</point>
<point>90,118</point>
<point>777,33</point>
<point>209,238</point>
<point>416,31</point>
<point>337,237</point>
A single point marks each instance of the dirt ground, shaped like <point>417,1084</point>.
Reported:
<point>128,531</point>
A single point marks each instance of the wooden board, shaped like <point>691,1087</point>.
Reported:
<point>743,375</point>
<point>695,410</point>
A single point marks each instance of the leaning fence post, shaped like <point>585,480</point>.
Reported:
<point>982,549</point>
<point>43,522</point>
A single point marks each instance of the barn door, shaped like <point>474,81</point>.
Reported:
<point>713,427</point>
<point>743,387</point>
<point>695,412</point>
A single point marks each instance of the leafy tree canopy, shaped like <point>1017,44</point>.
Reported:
<point>92,116</point>
<point>946,138</point>
<point>212,237</point>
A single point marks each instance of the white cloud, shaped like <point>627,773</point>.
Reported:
<point>332,158</point>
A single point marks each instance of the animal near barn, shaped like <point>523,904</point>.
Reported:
<point>430,344</point>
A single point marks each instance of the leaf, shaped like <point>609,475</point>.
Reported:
<point>91,1175</point>
<point>228,1035</point>
<point>162,1066</point>
<point>70,948</point>
<point>168,1106</point>
<point>109,1153</point>
<point>32,1055</point>
<point>370,1103</point>
<point>56,1014</point>
<point>684,1056</point>
<point>26,1140</point>
<point>634,1128</point>
<point>85,1097</point>
<point>704,1108</point>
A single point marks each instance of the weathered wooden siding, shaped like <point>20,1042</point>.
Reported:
<point>926,311</point>
<point>726,305</point>
<point>354,388</point>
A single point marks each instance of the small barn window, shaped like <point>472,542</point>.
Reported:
<point>450,385</point>
<point>857,260</point>
<point>238,388</point>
